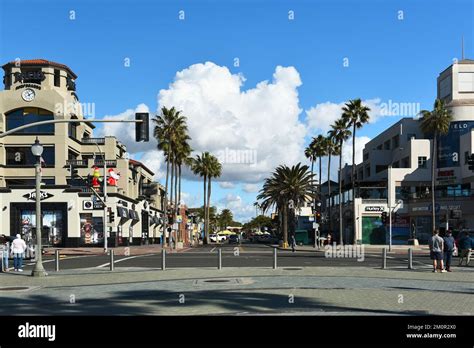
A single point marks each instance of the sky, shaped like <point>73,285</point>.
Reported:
<point>256,79</point>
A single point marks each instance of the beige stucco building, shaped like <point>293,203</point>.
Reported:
<point>37,90</point>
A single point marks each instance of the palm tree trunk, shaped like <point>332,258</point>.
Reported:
<point>206,234</point>
<point>179,194</point>
<point>176,200</point>
<point>329,193</point>
<point>341,238</point>
<point>165,209</point>
<point>320,177</point>
<point>285,223</point>
<point>312,183</point>
<point>353,181</point>
<point>208,201</point>
<point>433,166</point>
<point>171,197</point>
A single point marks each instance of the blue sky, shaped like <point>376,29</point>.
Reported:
<point>389,58</point>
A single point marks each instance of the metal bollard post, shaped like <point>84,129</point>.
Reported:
<point>56,261</point>
<point>4,267</point>
<point>111,259</point>
<point>410,258</point>
<point>384,258</point>
<point>219,259</point>
<point>163,259</point>
<point>275,264</point>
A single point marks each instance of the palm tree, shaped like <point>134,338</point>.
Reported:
<point>182,154</point>
<point>170,127</point>
<point>355,114</point>
<point>435,123</point>
<point>332,148</point>
<point>340,133</point>
<point>215,171</point>
<point>320,150</point>
<point>287,185</point>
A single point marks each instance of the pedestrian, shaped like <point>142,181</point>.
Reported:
<point>4,251</point>
<point>18,248</point>
<point>436,251</point>
<point>449,245</point>
<point>465,247</point>
<point>293,242</point>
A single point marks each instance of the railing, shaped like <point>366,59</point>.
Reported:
<point>92,141</point>
<point>76,163</point>
<point>374,201</point>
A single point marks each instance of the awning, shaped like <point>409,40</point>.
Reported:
<point>122,212</point>
<point>133,214</point>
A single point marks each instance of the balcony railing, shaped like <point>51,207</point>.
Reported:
<point>98,141</point>
<point>76,163</point>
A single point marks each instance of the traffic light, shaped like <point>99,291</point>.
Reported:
<point>73,171</point>
<point>384,217</point>
<point>111,216</point>
<point>89,181</point>
<point>470,162</point>
<point>142,128</point>
<point>318,216</point>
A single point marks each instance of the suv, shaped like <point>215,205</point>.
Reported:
<point>233,238</point>
<point>217,238</point>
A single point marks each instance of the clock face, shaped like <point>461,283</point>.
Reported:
<point>28,95</point>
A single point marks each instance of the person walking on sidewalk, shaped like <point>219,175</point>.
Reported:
<point>4,251</point>
<point>18,249</point>
<point>448,250</point>
<point>293,242</point>
<point>436,251</point>
<point>465,247</point>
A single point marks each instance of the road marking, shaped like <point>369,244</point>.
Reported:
<point>124,259</point>
<point>213,249</point>
<point>52,260</point>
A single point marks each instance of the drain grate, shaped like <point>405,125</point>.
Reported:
<point>217,281</point>
<point>292,269</point>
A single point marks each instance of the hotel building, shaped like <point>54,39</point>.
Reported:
<point>39,90</point>
<point>396,172</point>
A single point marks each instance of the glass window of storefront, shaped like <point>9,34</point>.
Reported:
<point>21,117</point>
<point>373,231</point>
<point>92,228</point>
<point>52,226</point>
<point>22,156</point>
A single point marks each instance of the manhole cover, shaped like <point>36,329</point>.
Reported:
<point>15,288</point>
<point>292,269</point>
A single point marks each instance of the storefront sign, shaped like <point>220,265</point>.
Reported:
<point>29,75</point>
<point>449,144</point>
<point>43,195</point>
<point>375,209</point>
<point>446,177</point>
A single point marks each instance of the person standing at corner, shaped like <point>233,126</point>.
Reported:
<point>436,251</point>
<point>4,251</point>
<point>465,246</point>
<point>293,243</point>
<point>448,250</point>
<point>18,249</point>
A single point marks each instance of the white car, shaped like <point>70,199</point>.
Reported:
<point>217,238</point>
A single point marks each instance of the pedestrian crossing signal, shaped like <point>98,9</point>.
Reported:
<point>384,217</point>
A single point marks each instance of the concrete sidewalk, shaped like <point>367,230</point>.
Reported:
<point>240,291</point>
<point>397,249</point>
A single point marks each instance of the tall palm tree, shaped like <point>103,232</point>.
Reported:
<point>170,126</point>
<point>320,150</point>
<point>332,148</point>
<point>435,123</point>
<point>215,171</point>
<point>340,133</point>
<point>182,153</point>
<point>287,185</point>
<point>355,114</point>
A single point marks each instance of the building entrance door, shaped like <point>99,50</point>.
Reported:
<point>373,231</point>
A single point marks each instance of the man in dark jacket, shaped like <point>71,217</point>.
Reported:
<point>465,247</point>
<point>448,250</point>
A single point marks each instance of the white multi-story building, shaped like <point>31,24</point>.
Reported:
<point>396,172</point>
<point>39,90</point>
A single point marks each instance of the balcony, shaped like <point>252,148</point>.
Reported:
<point>93,141</point>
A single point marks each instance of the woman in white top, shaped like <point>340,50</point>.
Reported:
<point>18,249</point>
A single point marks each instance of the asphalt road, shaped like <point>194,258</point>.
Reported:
<point>246,255</point>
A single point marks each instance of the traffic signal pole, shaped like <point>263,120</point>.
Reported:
<point>390,227</point>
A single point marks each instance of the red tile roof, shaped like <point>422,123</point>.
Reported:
<point>40,62</point>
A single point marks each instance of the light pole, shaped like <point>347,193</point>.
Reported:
<point>104,226</point>
<point>37,151</point>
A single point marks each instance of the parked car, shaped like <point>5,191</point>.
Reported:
<point>234,239</point>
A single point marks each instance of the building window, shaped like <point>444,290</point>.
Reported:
<point>22,156</point>
<point>386,145</point>
<point>396,141</point>
<point>57,78</point>
<point>28,181</point>
<point>379,147</point>
<point>367,171</point>
<point>466,157</point>
<point>421,162</point>
<point>380,168</point>
<point>405,162</point>
<point>72,130</point>
<point>24,116</point>
<point>366,156</point>
<point>396,164</point>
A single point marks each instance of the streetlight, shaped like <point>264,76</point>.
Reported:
<point>37,151</point>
